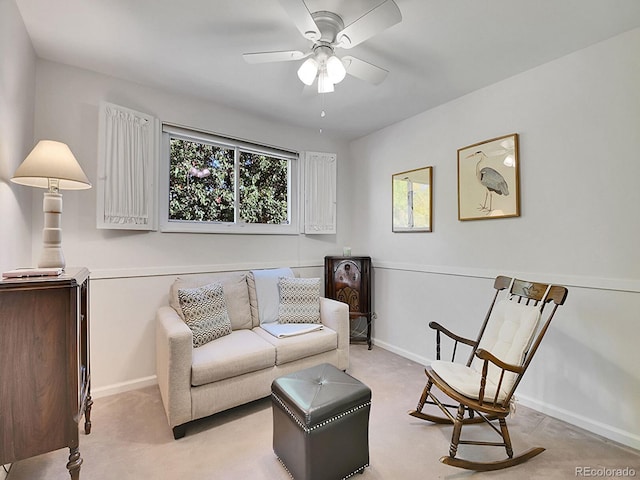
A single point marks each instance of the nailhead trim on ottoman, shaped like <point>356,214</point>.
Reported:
<point>321,423</point>
<point>360,470</point>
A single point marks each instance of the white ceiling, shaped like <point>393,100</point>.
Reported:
<point>441,50</point>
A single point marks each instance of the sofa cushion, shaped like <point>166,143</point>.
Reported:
<point>296,347</point>
<point>299,300</point>
<point>236,354</point>
<point>263,293</point>
<point>235,290</point>
<point>205,312</point>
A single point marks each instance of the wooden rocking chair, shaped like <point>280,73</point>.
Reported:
<point>483,388</point>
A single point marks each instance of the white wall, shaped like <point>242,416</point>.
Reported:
<point>578,119</point>
<point>17,86</point>
<point>132,271</point>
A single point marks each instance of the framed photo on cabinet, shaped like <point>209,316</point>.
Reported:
<point>488,179</point>
<point>412,195</point>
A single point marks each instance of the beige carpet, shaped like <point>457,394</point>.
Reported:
<point>132,441</point>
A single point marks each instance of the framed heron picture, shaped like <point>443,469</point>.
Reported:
<point>412,193</point>
<point>488,179</point>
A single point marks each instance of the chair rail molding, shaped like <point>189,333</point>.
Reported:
<point>598,283</point>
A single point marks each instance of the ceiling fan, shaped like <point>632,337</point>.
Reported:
<point>327,32</point>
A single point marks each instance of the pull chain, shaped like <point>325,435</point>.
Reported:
<point>322,111</point>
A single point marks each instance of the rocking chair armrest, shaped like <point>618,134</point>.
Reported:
<point>488,356</point>
<point>457,338</point>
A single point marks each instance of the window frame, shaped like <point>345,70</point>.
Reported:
<point>189,226</point>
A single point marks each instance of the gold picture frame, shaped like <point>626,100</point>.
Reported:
<point>489,179</point>
<point>412,199</point>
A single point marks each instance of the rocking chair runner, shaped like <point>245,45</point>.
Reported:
<point>483,388</point>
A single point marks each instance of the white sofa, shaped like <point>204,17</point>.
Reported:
<point>236,368</point>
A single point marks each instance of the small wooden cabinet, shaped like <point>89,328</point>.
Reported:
<point>45,381</point>
<point>348,280</point>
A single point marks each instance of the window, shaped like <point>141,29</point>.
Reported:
<point>217,184</point>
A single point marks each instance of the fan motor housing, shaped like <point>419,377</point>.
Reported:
<point>329,25</point>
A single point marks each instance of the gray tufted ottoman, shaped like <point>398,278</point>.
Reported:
<point>321,423</point>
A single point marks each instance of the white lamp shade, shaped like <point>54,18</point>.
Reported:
<point>308,71</point>
<point>335,69</point>
<point>51,160</point>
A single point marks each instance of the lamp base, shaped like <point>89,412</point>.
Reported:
<point>52,256</point>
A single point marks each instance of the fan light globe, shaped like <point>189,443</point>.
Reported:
<point>308,71</point>
<point>325,85</point>
<point>335,69</point>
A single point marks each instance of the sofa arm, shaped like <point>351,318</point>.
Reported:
<point>174,345</point>
<point>335,315</point>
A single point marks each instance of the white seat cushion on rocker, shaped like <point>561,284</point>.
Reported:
<point>508,336</point>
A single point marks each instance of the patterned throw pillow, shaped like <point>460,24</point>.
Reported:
<point>205,312</point>
<point>299,300</point>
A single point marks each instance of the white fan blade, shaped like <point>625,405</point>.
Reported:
<point>364,70</point>
<point>266,57</point>
<point>302,18</point>
<point>375,21</point>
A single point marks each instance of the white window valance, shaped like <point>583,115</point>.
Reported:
<point>126,169</point>
<point>320,171</point>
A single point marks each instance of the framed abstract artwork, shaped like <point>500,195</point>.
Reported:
<point>412,194</point>
<point>488,179</point>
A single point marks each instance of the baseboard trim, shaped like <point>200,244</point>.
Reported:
<point>614,434</point>
<point>123,386</point>
<point>609,432</point>
<point>402,352</point>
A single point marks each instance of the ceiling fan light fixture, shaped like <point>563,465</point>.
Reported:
<point>335,69</point>
<point>325,85</point>
<point>327,31</point>
<point>308,71</point>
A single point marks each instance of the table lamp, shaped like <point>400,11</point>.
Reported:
<point>51,165</point>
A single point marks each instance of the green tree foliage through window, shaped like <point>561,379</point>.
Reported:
<point>201,179</point>
<point>202,184</point>
<point>263,189</point>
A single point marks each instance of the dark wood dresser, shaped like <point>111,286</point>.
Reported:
<point>348,280</point>
<point>45,382</point>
